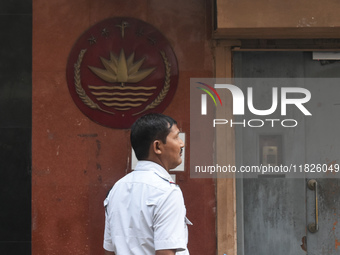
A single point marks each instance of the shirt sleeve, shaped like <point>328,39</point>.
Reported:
<point>107,231</point>
<point>170,229</point>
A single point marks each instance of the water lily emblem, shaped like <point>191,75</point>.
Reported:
<point>122,70</point>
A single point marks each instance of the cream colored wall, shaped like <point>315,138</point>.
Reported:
<point>278,13</point>
<point>278,19</point>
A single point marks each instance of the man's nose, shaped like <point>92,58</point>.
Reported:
<point>181,142</point>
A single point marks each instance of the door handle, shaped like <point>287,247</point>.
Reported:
<point>314,227</point>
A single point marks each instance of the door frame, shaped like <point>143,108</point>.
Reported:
<point>226,221</point>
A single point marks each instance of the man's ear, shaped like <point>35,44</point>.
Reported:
<point>157,147</point>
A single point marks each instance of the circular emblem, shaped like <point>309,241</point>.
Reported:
<point>120,69</point>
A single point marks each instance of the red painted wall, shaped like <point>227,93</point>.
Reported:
<point>76,161</point>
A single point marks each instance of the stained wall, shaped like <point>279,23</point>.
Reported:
<point>76,161</point>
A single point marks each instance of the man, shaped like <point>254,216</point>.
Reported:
<point>144,211</point>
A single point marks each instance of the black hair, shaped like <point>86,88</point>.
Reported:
<point>148,128</point>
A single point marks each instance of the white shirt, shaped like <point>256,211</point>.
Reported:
<point>145,212</point>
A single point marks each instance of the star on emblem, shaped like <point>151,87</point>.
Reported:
<point>152,40</point>
<point>92,40</point>
<point>105,32</point>
<point>140,32</point>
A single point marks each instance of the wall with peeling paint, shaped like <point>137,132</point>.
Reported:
<point>76,161</point>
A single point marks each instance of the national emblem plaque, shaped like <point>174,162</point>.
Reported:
<point>120,69</point>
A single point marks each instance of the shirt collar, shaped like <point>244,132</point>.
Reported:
<point>145,165</point>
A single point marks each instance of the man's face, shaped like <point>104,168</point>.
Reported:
<point>172,149</point>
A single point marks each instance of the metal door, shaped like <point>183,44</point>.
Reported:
<point>274,211</point>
